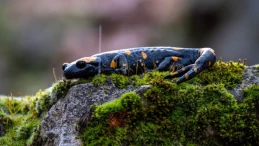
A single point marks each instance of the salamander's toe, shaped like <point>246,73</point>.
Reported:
<point>186,73</point>
<point>189,75</point>
<point>171,75</point>
<point>179,72</point>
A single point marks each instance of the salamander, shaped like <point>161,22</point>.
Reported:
<point>184,63</point>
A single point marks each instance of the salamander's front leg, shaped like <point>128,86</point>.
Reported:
<point>207,58</point>
<point>120,64</point>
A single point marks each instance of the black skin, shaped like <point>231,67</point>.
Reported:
<point>185,63</point>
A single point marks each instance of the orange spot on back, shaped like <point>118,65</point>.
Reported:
<point>201,51</point>
<point>186,76</point>
<point>175,58</point>
<point>113,64</point>
<point>128,52</point>
<point>144,55</point>
<point>176,48</point>
<point>88,59</point>
<point>212,52</point>
<point>183,69</point>
<point>195,70</point>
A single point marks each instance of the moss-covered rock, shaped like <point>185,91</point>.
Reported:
<point>181,115</point>
<point>202,111</point>
<point>20,118</point>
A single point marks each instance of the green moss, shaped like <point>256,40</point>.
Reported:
<point>146,78</point>
<point>120,81</point>
<point>170,114</point>
<point>61,88</point>
<point>20,131</point>
<point>5,120</point>
<point>22,116</point>
<point>128,100</point>
<point>35,139</point>
<point>26,128</point>
<point>257,66</point>
<point>99,80</point>
<point>42,102</point>
<point>20,120</point>
<point>250,114</point>
<point>229,74</point>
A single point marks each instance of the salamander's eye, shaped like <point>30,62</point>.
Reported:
<point>80,64</point>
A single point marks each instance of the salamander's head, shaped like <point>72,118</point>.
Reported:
<point>81,68</point>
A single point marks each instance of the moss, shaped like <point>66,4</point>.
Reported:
<point>61,88</point>
<point>22,116</point>
<point>20,131</point>
<point>257,66</point>
<point>128,100</point>
<point>99,80</point>
<point>26,128</point>
<point>120,81</point>
<point>35,139</point>
<point>44,99</point>
<point>21,119</point>
<point>170,114</point>
<point>5,120</point>
<point>146,78</point>
<point>230,74</point>
<point>250,114</point>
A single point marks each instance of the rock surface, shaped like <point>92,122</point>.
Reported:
<point>58,126</point>
<point>250,77</point>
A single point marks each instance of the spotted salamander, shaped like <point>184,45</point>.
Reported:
<point>184,63</point>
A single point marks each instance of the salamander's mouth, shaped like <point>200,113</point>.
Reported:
<point>74,75</point>
<point>71,71</point>
<point>68,76</point>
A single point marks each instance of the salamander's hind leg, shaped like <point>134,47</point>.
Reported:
<point>120,64</point>
<point>206,59</point>
<point>170,62</point>
<point>165,64</point>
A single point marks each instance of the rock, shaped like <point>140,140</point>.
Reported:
<point>58,126</point>
<point>250,77</point>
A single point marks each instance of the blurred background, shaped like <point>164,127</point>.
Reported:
<point>37,36</point>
